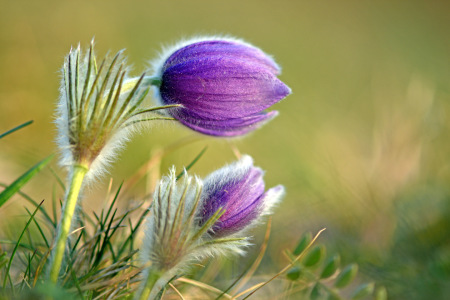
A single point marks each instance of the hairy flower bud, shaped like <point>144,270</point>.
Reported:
<point>96,105</point>
<point>174,237</point>
<point>171,231</point>
<point>222,85</point>
<point>239,190</point>
<point>191,219</point>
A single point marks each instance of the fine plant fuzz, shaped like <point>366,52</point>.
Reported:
<point>95,107</point>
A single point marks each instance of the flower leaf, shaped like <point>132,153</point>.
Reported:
<point>381,294</point>
<point>331,266</point>
<point>363,290</point>
<point>314,256</point>
<point>316,292</point>
<point>293,273</point>
<point>346,276</point>
<point>303,243</point>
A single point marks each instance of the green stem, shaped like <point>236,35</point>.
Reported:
<point>79,171</point>
<point>152,278</point>
<point>147,81</point>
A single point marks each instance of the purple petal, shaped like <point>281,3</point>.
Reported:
<point>271,198</point>
<point>246,216</point>
<point>239,196</point>
<point>239,189</point>
<point>228,186</point>
<point>222,48</point>
<point>242,192</point>
<point>221,88</point>
<point>240,219</point>
<point>231,127</point>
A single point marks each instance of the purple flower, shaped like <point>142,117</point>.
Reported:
<point>223,86</point>
<point>239,189</point>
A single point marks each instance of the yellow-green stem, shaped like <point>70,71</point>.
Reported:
<point>147,81</point>
<point>79,171</point>
<point>152,278</point>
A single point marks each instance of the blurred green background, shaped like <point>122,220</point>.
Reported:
<point>362,145</point>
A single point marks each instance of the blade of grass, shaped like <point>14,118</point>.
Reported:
<point>24,246</point>
<point>75,281</point>
<point>130,238</point>
<point>102,248</point>
<point>29,199</point>
<point>248,273</point>
<point>55,216</point>
<point>18,243</point>
<point>27,273</point>
<point>260,285</point>
<point>7,193</point>
<point>177,291</point>
<point>76,242</point>
<point>108,239</point>
<point>30,240</point>
<point>114,201</point>
<point>58,179</point>
<point>204,286</point>
<point>15,129</point>
<point>40,230</point>
<point>40,266</point>
<point>189,166</point>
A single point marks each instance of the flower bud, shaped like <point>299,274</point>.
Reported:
<point>171,234</point>
<point>239,190</point>
<point>190,219</point>
<point>96,105</point>
<point>174,239</point>
<point>222,85</point>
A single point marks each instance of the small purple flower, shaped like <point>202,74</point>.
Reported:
<point>222,85</point>
<point>239,189</point>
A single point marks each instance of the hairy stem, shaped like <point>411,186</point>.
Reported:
<point>147,81</point>
<point>79,172</point>
<point>150,282</point>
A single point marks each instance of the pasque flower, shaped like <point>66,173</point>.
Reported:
<point>239,190</point>
<point>97,106</point>
<point>174,237</point>
<point>191,219</point>
<point>223,85</point>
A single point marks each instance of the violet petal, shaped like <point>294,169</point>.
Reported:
<point>230,127</point>
<point>221,88</point>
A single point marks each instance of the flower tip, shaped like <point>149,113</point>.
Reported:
<point>246,161</point>
<point>272,114</point>
<point>272,197</point>
<point>278,191</point>
<point>281,90</point>
<point>288,90</point>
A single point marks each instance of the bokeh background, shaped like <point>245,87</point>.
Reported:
<point>362,145</point>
